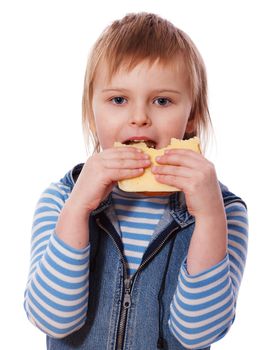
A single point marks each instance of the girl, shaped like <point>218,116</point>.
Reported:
<point>117,270</point>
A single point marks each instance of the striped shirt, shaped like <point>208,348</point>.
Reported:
<point>56,295</point>
<point>138,217</point>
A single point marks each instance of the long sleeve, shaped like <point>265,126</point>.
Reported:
<point>56,294</point>
<point>203,306</point>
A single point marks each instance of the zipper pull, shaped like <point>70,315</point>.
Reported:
<point>127,298</point>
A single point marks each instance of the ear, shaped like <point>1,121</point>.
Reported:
<point>190,127</point>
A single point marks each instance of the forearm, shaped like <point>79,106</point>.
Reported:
<point>208,245</point>
<point>56,294</point>
<point>72,226</point>
<point>203,306</point>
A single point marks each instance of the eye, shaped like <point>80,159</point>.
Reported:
<point>118,100</point>
<point>163,101</point>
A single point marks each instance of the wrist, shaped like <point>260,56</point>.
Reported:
<point>213,214</point>
<point>208,244</point>
<point>72,225</point>
<point>74,207</point>
<point>215,222</point>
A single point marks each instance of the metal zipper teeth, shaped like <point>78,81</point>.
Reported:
<point>124,262</point>
<point>123,314</point>
<point>124,310</point>
<point>156,250</point>
<point>121,329</point>
<point>123,317</point>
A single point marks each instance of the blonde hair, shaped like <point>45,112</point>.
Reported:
<point>137,37</point>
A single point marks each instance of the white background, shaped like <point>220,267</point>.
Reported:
<point>44,49</point>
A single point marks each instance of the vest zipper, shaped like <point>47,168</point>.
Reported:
<point>128,281</point>
<point>127,297</point>
<point>156,250</point>
<point>123,316</point>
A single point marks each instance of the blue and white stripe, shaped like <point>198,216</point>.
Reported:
<point>203,306</point>
<point>56,296</point>
<point>138,217</point>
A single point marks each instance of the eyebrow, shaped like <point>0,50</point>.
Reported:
<point>156,91</point>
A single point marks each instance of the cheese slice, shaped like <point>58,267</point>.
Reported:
<point>147,182</point>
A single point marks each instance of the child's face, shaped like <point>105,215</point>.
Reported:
<point>140,104</point>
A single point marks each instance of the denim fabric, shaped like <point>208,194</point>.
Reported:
<point>147,318</point>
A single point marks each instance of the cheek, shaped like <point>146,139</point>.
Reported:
<point>107,127</point>
<point>181,119</point>
<point>176,124</point>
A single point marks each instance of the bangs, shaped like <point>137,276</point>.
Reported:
<point>141,37</point>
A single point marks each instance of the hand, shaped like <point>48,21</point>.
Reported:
<point>192,173</point>
<point>101,172</point>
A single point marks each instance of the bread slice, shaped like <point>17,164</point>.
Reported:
<point>147,182</point>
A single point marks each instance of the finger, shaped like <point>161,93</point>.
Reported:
<point>127,174</point>
<point>181,159</point>
<point>123,154</point>
<point>174,171</point>
<point>189,152</point>
<point>126,163</point>
<point>171,180</point>
<point>123,149</point>
<point>184,184</point>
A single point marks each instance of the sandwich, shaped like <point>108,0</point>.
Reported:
<point>147,182</point>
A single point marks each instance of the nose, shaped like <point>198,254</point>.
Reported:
<point>139,117</point>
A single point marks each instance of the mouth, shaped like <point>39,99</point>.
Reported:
<point>149,143</point>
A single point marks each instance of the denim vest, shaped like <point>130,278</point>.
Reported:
<point>132,314</point>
